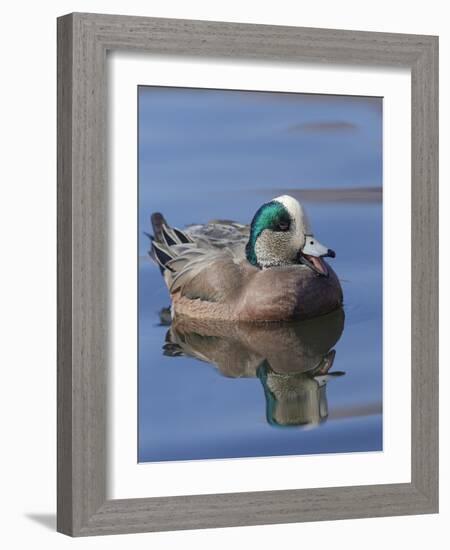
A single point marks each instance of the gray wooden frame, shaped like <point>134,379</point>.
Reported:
<point>83,40</point>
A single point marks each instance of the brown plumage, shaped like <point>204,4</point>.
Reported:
<point>209,275</point>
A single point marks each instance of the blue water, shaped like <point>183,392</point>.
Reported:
<point>222,154</point>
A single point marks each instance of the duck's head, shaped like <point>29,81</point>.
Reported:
<point>280,234</point>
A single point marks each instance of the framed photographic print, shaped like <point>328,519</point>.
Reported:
<point>247,274</point>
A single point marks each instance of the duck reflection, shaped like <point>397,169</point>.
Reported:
<point>292,360</point>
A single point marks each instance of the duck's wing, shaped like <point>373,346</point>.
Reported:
<point>212,275</point>
<point>202,262</point>
<point>219,233</point>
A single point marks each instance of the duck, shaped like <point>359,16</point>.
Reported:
<point>270,270</point>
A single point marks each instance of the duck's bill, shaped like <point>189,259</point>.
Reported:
<point>314,263</point>
<point>312,253</point>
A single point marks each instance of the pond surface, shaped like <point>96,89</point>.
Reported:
<point>250,400</point>
<point>212,391</point>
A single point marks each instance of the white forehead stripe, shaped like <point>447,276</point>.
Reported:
<point>296,211</point>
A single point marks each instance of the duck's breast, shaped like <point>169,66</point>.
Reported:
<point>292,292</point>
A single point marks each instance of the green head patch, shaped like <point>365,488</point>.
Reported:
<point>271,215</point>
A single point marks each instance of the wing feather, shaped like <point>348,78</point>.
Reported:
<point>201,262</point>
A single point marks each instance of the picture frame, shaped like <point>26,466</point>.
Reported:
<point>83,42</point>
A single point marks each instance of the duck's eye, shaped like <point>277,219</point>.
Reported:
<point>283,226</point>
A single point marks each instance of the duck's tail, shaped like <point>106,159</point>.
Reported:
<point>164,241</point>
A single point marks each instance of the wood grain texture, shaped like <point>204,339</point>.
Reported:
<point>83,41</point>
<point>425,251</point>
<point>64,274</point>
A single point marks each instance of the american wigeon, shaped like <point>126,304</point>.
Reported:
<point>272,270</point>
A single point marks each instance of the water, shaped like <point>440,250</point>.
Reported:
<point>246,397</point>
